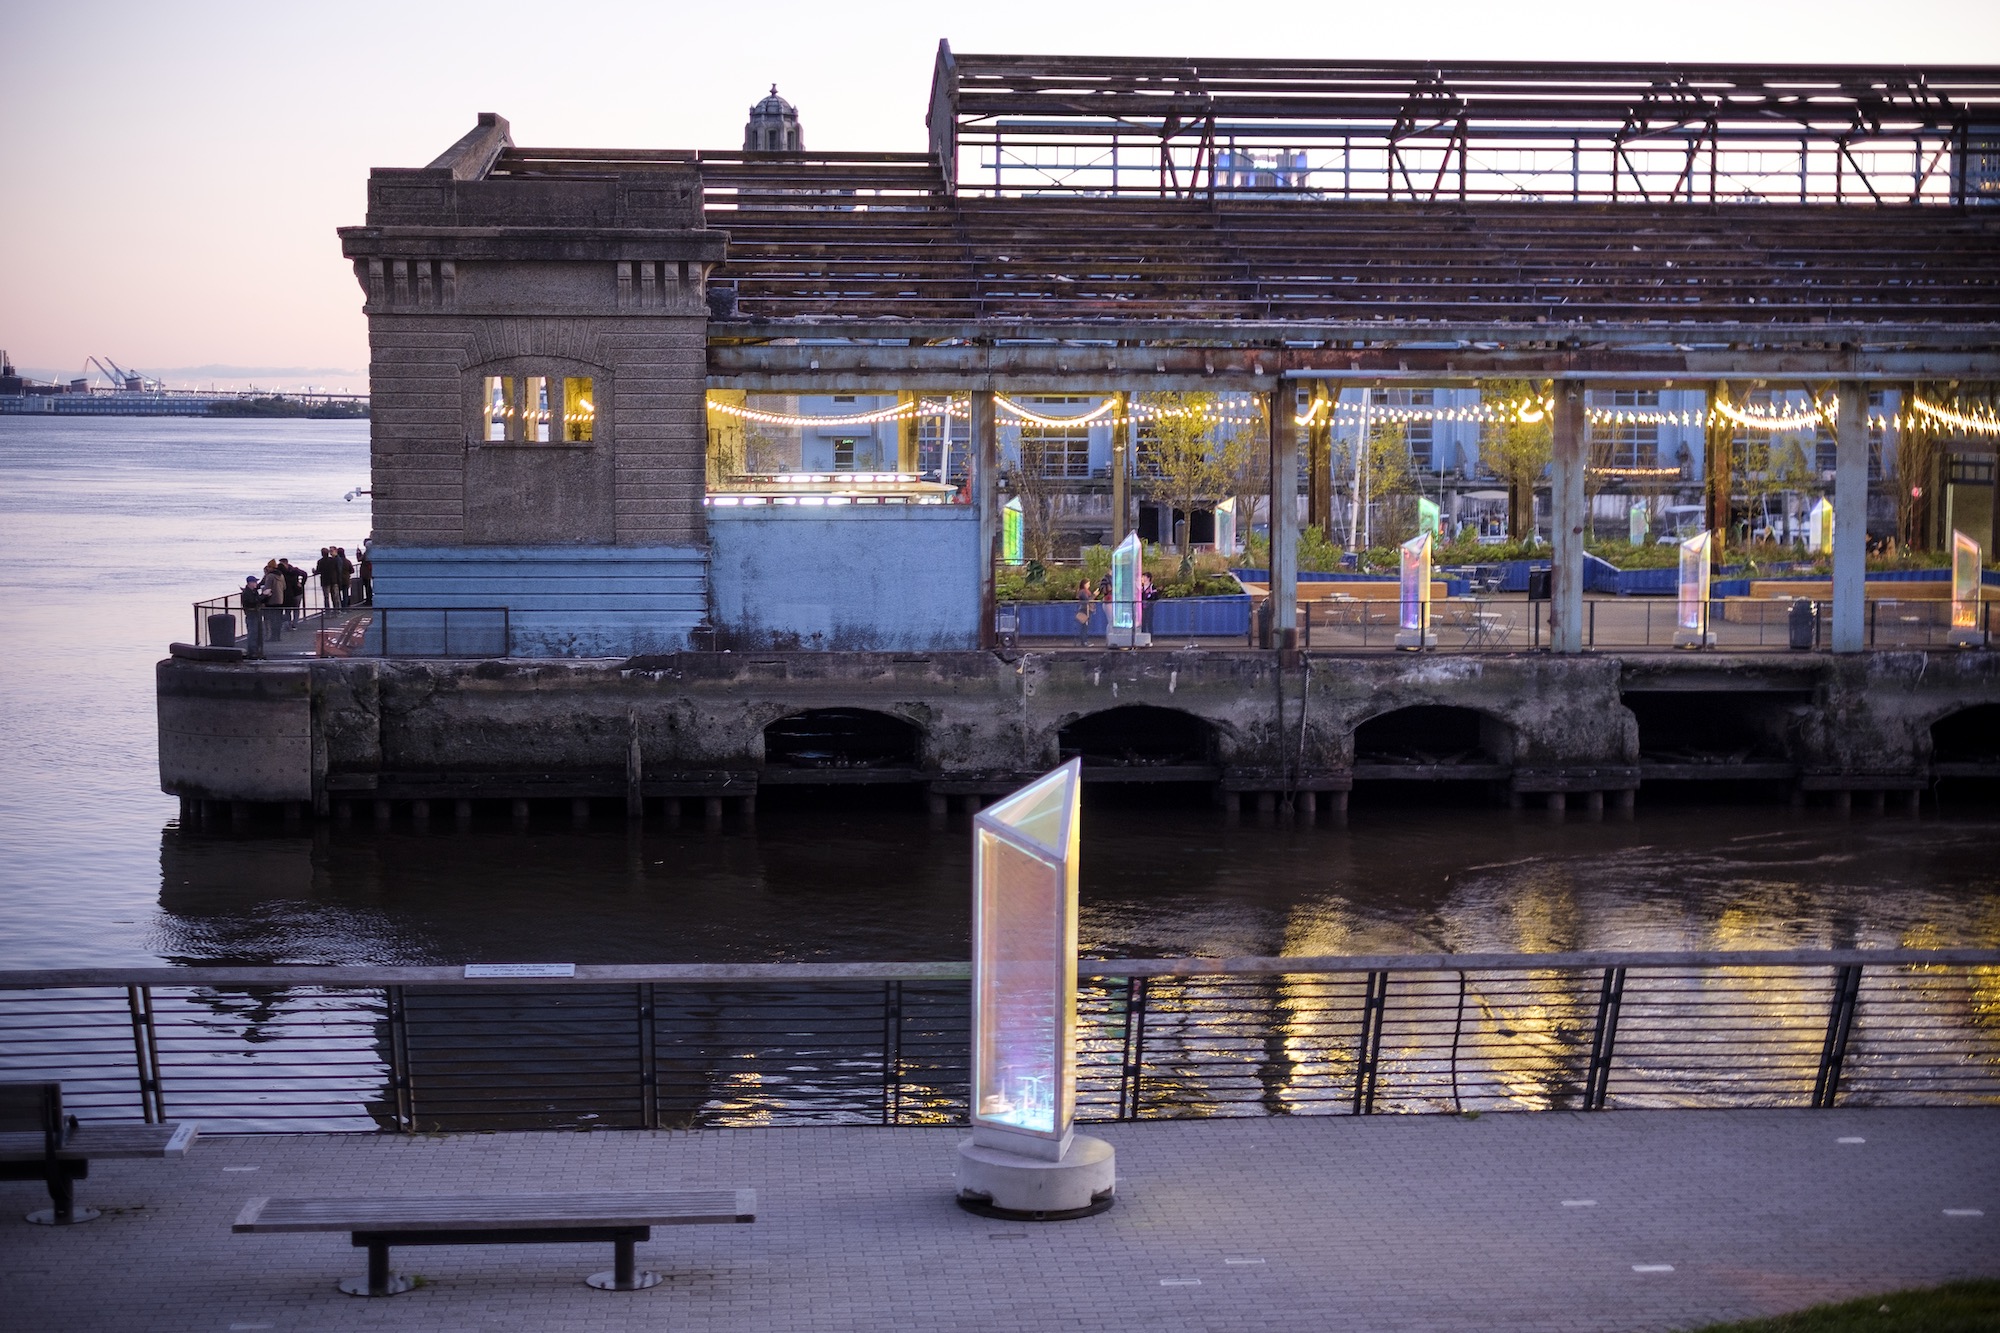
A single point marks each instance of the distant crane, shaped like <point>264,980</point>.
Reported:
<point>121,378</point>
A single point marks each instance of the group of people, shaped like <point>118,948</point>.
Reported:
<point>1088,595</point>
<point>278,597</point>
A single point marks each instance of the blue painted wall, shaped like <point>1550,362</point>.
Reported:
<point>562,601</point>
<point>898,578</point>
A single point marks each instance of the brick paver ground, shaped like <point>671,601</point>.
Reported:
<point>1546,1221</point>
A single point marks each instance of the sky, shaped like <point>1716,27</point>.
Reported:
<point>174,171</point>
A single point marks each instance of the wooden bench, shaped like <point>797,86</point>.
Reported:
<point>623,1217</point>
<point>39,1142</point>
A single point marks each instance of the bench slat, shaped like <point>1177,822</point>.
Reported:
<point>92,1142</point>
<point>499,1212</point>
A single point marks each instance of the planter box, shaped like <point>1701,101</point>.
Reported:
<point>1175,617</point>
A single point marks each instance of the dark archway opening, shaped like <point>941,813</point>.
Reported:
<point>1969,736</point>
<point>1138,736</point>
<point>842,738</point>
<point>1433,734</point>
<point>1714,726</point>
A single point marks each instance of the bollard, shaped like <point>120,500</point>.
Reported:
<point>461,814</point>
<point>711,813</point>
<point>1843,803</point>
<point>749,810</point>
<point>1557,802</point>
<point>383,814</point>
<point>670,808</point>
<point>420,814</point>
<point>1628,802</point>
<point>1337,808</point>
<point>520,813</point>
<point>1593,805</point>
<point>1913,804</point>
<point>1308,805</point>
<point>579,812</point>
<point>1878,802</point>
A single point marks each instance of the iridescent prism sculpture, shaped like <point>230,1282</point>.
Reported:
<point>1225,526</point>
<point>1415,625</point>
<point>1024,1156</point>
<point>1428,515</point>
<point>1126,612</point>
<point>1819,527</point>
<point>1013,532</point>
<point>1691,621</point>
<point>1638,524</point>
<point>1967,566</point>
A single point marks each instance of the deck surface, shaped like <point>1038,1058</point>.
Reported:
<point>1619,1220</point>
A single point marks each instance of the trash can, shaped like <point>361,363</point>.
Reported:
<point>1538,584</point>
<point>1800,623</point>
<point>222,630</point>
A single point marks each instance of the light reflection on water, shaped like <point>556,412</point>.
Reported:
<point>110,528</point>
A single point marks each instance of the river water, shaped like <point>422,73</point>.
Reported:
<point>111,528</point>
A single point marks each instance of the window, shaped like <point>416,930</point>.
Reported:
<point>843,454</point>
<point>1419,435</point>
<point>1056,451</point>
<point>535,409</point>
<point>932,439</point>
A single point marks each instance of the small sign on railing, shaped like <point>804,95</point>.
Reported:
<point>520,970</point>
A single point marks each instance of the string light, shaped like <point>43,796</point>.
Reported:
<point>1233,411</point>
<point>1981,423</point>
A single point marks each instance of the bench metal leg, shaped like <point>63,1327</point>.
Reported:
<point>380,1281</point>
<point>625,1274</point>
<point>62,1194</point>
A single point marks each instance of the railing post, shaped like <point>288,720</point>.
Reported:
<point>1370,1053</point>
<point>649,1059</point>
<point>1839,1025</point>
<point>892,1052</point>
<point>146,1053</point>
<point>399,1060</point>
<point>1597,1078</point>
<point>1132,1069</point>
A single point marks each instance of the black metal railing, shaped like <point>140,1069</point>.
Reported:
<point>409,1049</point>
<point>1512,624</point>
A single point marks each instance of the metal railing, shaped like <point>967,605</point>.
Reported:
<point>416,1048</point>
<point>1516,624</point>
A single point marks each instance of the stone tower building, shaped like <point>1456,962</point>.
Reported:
<point>773,127</point>
<point>538,360</point>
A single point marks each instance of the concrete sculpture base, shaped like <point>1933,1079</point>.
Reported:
<point>997,1183</point>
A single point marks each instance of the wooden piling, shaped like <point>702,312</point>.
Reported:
<point>711,813</point>
<point>384,814</point>
<point>420,814</point>
<point>579,812</point>
<point>519,813</point>
<point>461,814</point>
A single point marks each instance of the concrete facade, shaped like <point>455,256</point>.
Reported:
<point>695,723</point>
<point>875,578</point>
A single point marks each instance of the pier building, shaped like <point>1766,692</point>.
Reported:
<point>700,419</point>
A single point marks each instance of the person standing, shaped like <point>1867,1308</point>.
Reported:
<point>327,570</point>
<point>252,598</point>
<point>295,589</point>
<point>346,573</point>
<point>1086,598</point>
<point>1148,594</point>
<point>364,577</point>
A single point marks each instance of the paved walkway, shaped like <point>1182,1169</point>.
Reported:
<point>1551,1221</point>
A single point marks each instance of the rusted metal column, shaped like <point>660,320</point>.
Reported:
<point>1284,516</point>
<point>906,435</point>
<point>1718,475</point>
<point>1850,519</point>
<point>1567,519</point>
<point>1122,429</point>
<point>1319,461</point>
<point>985,462</point>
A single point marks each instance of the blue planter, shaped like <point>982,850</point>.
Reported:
<point>1226,616</point>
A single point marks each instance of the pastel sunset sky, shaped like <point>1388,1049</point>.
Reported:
<point>174,172</point>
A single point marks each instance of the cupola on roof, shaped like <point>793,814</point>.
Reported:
<point>773,127</point>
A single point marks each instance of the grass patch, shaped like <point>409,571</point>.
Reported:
<point>1956,1307</point>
